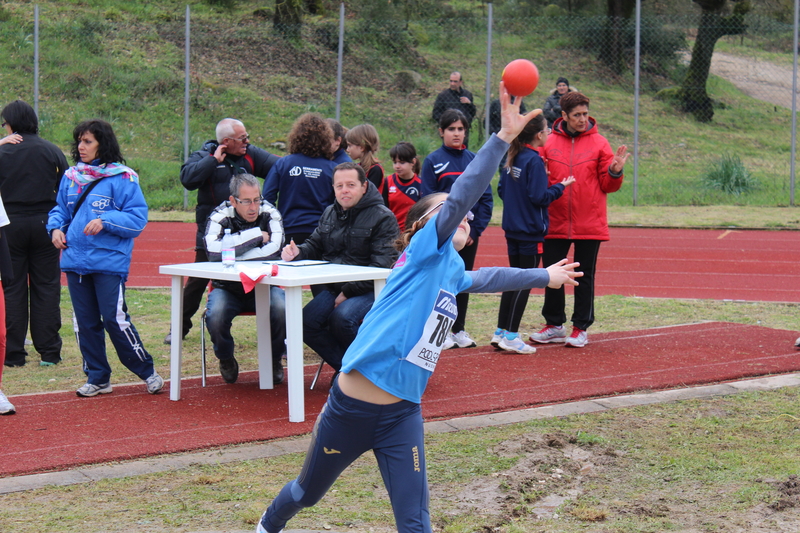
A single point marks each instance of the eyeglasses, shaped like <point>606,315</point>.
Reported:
<point>470,216</point>
<point>4,125</point>
<point>547,131</point>
<point>248,202</point>
<point>242,138</point>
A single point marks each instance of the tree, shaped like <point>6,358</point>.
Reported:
<point>714,23</point>
<point>619,14</point>
<point>288,18</point>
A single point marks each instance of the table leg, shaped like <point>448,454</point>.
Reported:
<point>294,353</point>
<point>264,332</point>
<point>378,286</point>
<point>176,346</point>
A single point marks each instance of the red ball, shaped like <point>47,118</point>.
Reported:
<point>520,77</point>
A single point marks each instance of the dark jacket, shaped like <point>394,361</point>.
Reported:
<point>441,169</point>
<point>30,173</point>
<point>363,235</point>
<point>450,99</point>
<point>526,196</point>
<point>301,187</point>
<point>211,180</point>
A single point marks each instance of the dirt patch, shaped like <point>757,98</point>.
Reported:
<point>556,477</point>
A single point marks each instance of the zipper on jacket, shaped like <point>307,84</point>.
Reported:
<point>571,173</point>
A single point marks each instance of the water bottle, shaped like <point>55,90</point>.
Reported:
<point>228,251</point>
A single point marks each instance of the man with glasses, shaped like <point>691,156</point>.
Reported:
<point>209,172</point>
<point>257,231</point>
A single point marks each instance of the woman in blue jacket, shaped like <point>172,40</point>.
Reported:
<point>440,171</point>
<point>300,184</point>
<point>96,240</point>
<point>526,196</point>
<point>374,404</point>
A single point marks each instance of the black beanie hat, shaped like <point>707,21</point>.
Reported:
<point>562,80</point>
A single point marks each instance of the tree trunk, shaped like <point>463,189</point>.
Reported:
<point>619,13</point>
<point>288,18</point>
<point>713,25</point>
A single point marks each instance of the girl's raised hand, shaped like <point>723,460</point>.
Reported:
<point>511,122</point>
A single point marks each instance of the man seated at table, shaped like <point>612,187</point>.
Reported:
<point>358,229</point>
<point>257,230</point>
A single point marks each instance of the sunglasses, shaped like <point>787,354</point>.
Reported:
<point>470,215</point>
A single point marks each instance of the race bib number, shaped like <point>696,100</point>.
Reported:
<point>425,354</point>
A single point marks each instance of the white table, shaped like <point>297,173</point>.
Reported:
<point>292,279</point>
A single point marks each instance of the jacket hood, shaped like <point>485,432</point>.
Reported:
<point>210,146</point>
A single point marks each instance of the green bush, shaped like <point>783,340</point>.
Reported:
<point>728,174</point>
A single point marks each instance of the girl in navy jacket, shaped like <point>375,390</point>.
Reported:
<point>526,195</point>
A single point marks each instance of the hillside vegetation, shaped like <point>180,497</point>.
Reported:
<point>124,62</point>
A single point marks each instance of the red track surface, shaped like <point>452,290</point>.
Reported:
<point>59,430</point>
<point>660,263</point>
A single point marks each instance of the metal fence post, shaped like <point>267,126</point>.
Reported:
<point>487,103</point>
<point>794,104</point>
<point>36,59</point>
<point>186,83</point>
<point>636,101</point>
<point>339,63</point>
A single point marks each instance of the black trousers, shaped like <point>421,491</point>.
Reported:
<point>512,303</point>
<point>36,286</point>
<point>553,310</point>
<point>468,254</point>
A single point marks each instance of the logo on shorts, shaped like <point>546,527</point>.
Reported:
<point>330,451</point>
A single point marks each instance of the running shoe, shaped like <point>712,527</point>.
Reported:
<point>449,342</point>
<point>260,528</point>
<point>797,343</point>
<point>578,338</point>
<point>497,337</point>
<point>6,407</point>
<point>90,389</point>
<point>154,383</point>
<point>549,334</point>
<point>463,340</point>
<point>512,342</point>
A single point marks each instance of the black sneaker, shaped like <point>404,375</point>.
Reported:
<point>229,368</point>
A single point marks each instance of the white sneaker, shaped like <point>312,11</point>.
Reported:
<point>797,343</point>
<point>6,407</point>
<point>513,343</point>
<point>449,342</point>
<point>87,390</point>
<point>463,340</point>
<point>154,383</point>
<point>549,334</point>
<point>578,338</point>
<point>260,528</point>
<point>497,337</point>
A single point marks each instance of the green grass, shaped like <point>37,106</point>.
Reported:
<point>703,465</point>
<point>124,62</point>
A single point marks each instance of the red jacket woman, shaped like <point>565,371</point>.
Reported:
<point>578,218</point>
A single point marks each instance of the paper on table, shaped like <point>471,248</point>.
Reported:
<point>302,262</point>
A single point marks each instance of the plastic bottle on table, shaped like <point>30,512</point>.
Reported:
<point>228,251</point>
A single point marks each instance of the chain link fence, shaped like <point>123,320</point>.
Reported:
<point>391,69</point>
